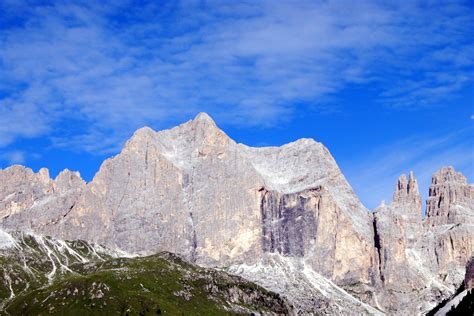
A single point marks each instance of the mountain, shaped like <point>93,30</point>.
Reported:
<point>42,275</point>
<point>422,260</point>
<point>284,217</point>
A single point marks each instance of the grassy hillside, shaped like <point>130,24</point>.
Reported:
<point>103,284</point>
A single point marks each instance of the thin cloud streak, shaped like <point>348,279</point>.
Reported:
<point>248,64</point>
<point>374,177</point>
<point>14,157</point>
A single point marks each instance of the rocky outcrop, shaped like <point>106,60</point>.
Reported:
<point>423,258</point>
<point>407,195</point>
<point>20,188</point>
<point>397,229</point>
<point>450,198</point>
<point>192,190</point>
<point>33,201</point>
<point>450,223</point>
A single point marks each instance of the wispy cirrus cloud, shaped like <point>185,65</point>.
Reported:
<point>81,72</point>
<point>376,174</point>
<point>13,157</point>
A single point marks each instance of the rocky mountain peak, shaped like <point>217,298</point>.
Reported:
<point>407,194</point>
<point>144,132</point>
<point>448,175</point>
<point>68,174</point>
<point>67,180</point>
<point>141,136</point>
<point>449,196</point>
<point>192,190</point>
<point>44,174</point>
<point>202,125</point>
<point>204,118</point>
<point>206,131</point>
<point>412,184</point>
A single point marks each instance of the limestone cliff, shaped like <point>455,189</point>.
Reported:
<point>397,227</point>
<point>192,190</point>
<point>450,223</point>
<point>450,198</point>
<point>422,261</point>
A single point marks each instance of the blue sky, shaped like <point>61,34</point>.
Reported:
<point>386,86</point>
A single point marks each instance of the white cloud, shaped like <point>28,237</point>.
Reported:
<point>20,119</point>
<point>13,157</point>
<point>75,69</point>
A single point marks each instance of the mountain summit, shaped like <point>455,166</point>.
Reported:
<point>193,191</point>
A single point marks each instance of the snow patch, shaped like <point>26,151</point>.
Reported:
<point>8,197</point>
<point>6,240</point>
<point>42,202</point>
<point>299,283</point>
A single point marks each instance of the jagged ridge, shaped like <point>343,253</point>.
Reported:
<point>194,191</point>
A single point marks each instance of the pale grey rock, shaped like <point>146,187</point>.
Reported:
<point>399,224</point>
<point>306,164</point>
<point>192,190</point>
<point>37,203</point>
<point>310,224</point>
<point>422,261</point>
<point>450,200</point>
<point>20,187</point>
<point>407,195</point>
<point>308,291</point>
<point>397,228</point>
<point>220,190</point>
<point>450,223</point>
<point>302,183</point>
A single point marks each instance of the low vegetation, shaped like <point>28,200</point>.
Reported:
<point>98,283</point>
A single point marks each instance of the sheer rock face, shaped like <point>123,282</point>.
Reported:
<point>192,190</point>
<point>306,164</point>
<point>407,203</point>
<point>397,231</point>
<point>398,225</point>
<point>423,256</point>
<point>450,222</point>
<point>35,202</point>
<point>311,225</point>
